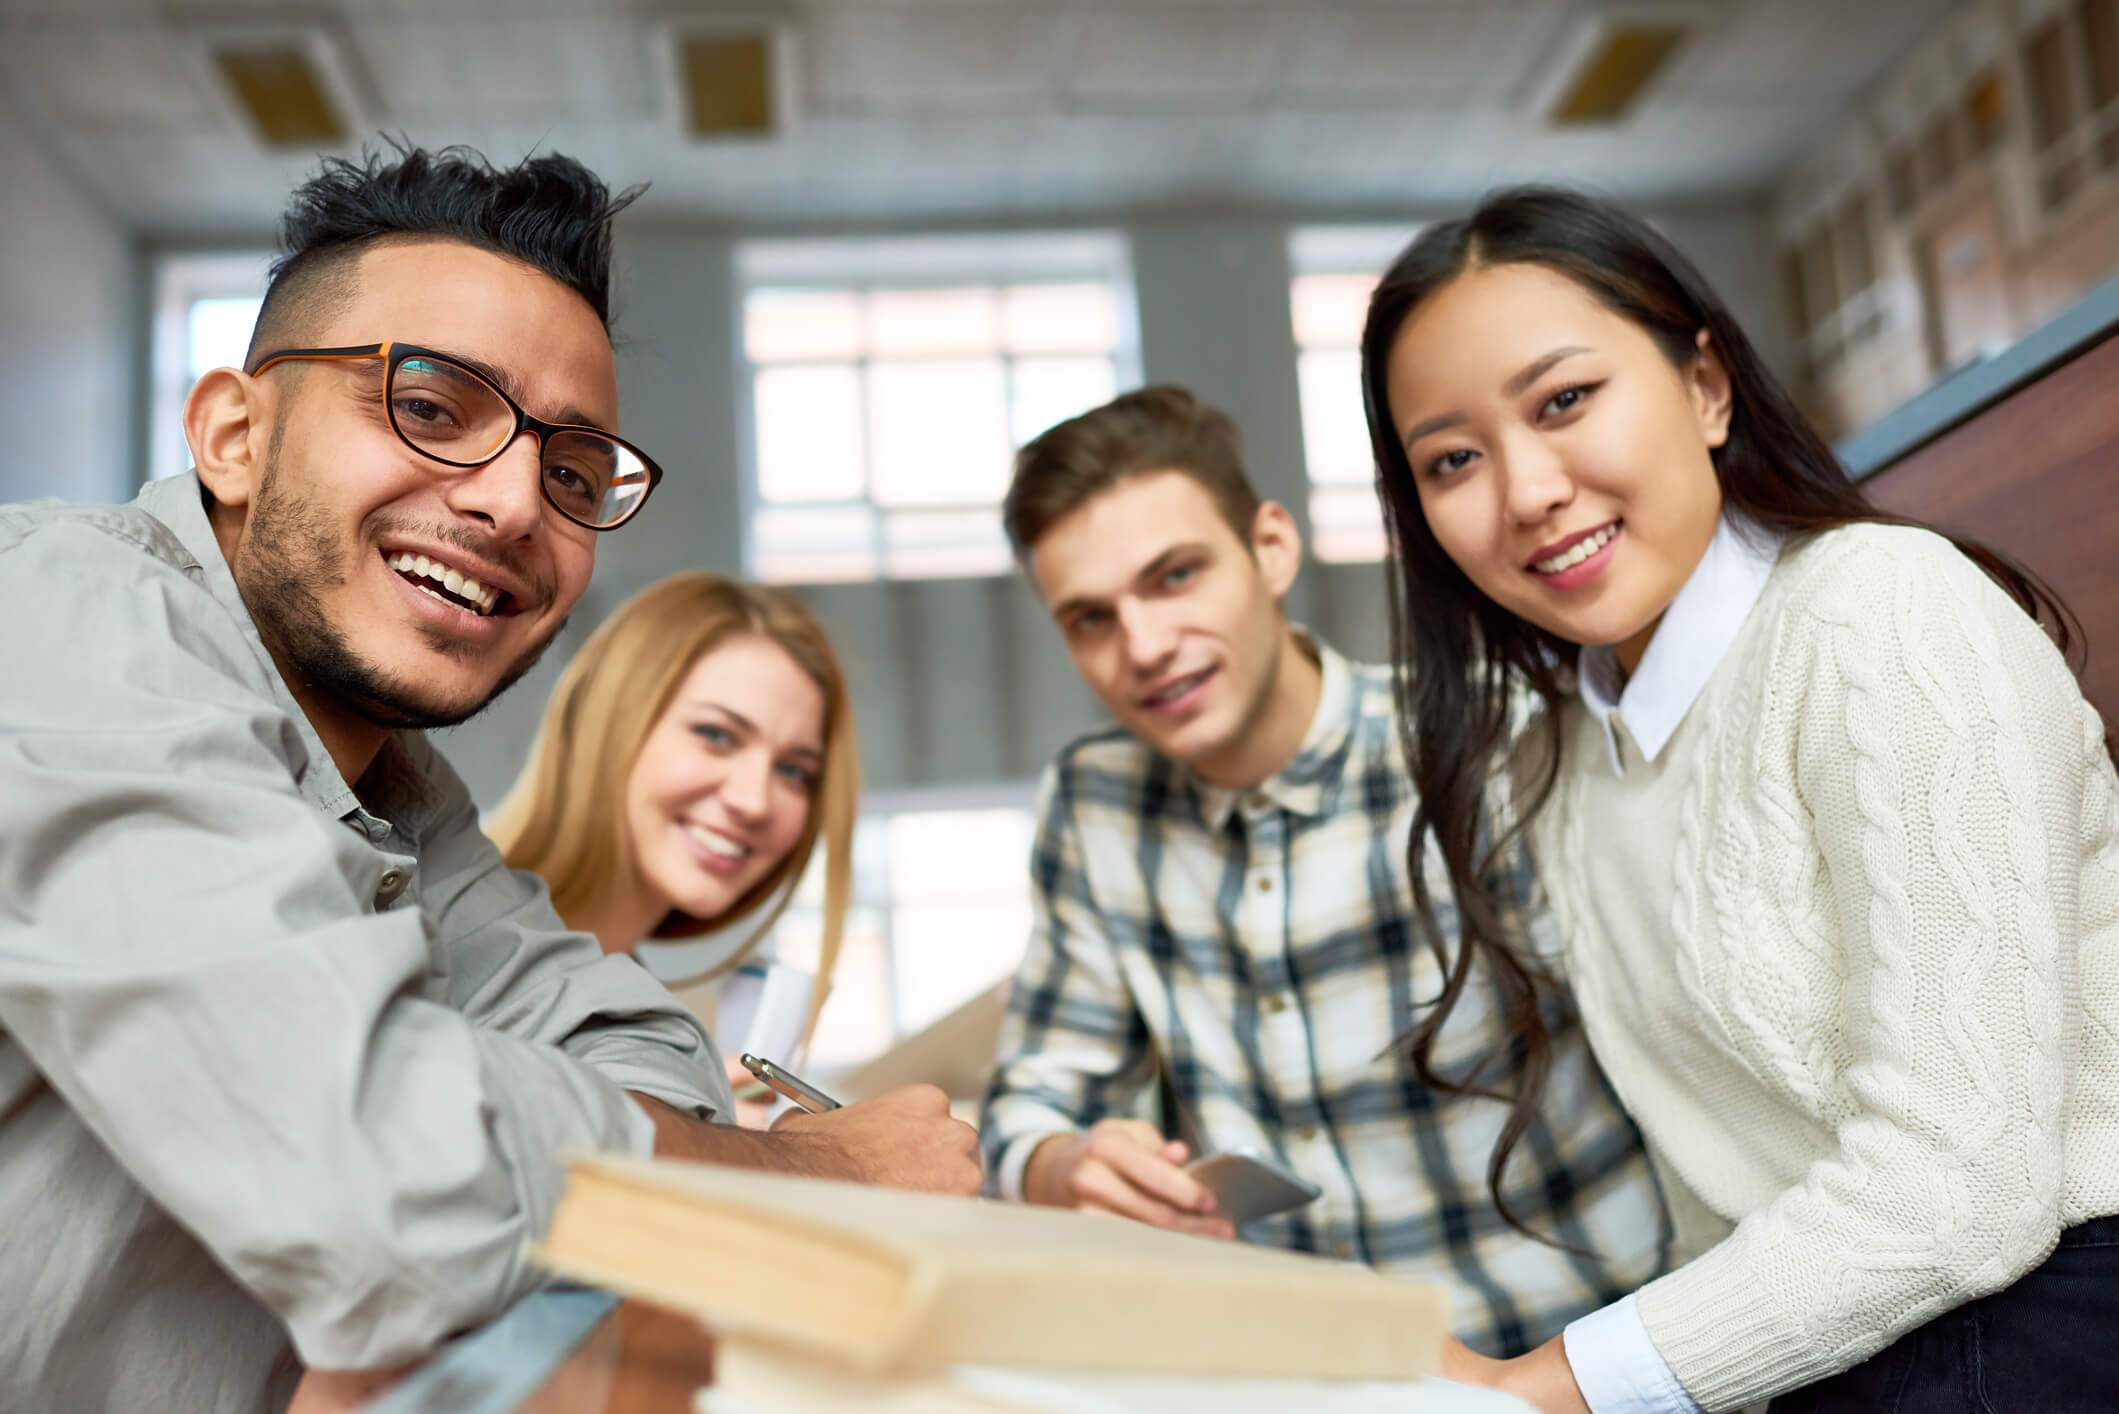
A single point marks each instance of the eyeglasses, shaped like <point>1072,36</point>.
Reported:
<point>453,414</point>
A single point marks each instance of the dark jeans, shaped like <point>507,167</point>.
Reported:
<point>2047,1345</point>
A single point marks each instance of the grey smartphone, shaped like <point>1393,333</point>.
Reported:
<point>793,1086</point>
<point>1247,1187</point>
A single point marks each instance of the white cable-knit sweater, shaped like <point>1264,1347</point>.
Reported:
<point>1848,949</point>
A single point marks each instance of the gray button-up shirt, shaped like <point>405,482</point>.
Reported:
<point>284,1067</point>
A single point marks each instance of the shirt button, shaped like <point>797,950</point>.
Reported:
<point>1265,886</point>
<point>1307,1134</point>
<point>1342,1249</point>
<point>389,886</point>
<point>1276,1004</point>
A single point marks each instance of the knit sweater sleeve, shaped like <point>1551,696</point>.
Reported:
<point>1943,758</point>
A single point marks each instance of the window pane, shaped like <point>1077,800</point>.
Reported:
<point>2100,26</point>
<point>1329,309</point>
<point>1346,524</point>
<point>940,433</point>
<point>2052,106</point>
<point>814,544</point>
<point>933,853</point>
<point>856,1023</point>
<point>944,544</point>
<point>1986,108</point>
<point>1335,438</point>
<point>219,333</point>
<point>1059,319</point>
<point>1857,251</point>
<point>1049,390</point>
<point>782,325</point>
<point>946,954</point>
<point>809,433</point>
<point>965,320</point>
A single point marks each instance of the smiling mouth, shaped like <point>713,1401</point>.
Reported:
<point>1170,693</point>
<point>450,586</point>
<point>716,843</point>
<point>1579,551</point>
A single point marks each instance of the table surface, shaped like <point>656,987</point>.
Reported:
<point>569,1350</point>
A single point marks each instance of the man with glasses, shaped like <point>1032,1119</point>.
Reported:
<point>287,1056</point>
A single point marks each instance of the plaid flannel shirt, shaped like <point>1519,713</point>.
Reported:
<point>1262,945</point>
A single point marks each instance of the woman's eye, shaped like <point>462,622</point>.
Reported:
<point>1568,399</point>
<point>713,735</point>
<point>1181,575</point>
<point>800,776</point>
<point>1449,462</point>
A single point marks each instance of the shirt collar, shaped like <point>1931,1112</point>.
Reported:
<point>179,503</point>
<point>1307,784</point>
<point>1688,645</point>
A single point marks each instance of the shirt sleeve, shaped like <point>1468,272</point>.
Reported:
<point>1073,1047</point>
<point>513,969</point>
<point>1617,1366</point>
<point>189,958</point>
<point>1948,774</point>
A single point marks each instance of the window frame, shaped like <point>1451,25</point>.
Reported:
<point>865,265</point>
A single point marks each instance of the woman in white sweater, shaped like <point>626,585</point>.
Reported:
<point>1831,836</point>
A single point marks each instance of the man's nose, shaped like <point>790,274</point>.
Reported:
<point>507,492</point>
<point>1149,637</point>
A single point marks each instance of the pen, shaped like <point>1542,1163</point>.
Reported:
<point>793,1086</point>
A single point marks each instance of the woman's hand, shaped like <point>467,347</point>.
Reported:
<point>1543,1378</point>
<point>751,1114</point>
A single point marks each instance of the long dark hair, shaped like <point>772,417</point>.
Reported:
<point>1461,658</point>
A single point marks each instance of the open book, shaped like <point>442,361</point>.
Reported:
<point>875,1280</point>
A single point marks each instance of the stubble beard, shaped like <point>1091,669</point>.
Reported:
<point>289,553</point>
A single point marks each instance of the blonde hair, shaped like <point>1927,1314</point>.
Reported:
<point>564,818</point>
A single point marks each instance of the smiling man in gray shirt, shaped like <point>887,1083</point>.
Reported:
<point>287,1056</point>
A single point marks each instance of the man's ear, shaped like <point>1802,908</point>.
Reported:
<point>1713,399</point>
<point>1277,546</point>
<point>226,422</point>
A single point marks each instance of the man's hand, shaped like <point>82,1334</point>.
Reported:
<point>1122,1167</point>
<point>905,1138</point>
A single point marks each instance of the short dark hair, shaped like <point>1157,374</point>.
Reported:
<point>1158,428</point>
<point>548,211</point>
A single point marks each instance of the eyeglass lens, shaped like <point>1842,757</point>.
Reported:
<point>455,416</point>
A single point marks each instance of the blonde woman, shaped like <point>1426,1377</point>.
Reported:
<point>696,750</point>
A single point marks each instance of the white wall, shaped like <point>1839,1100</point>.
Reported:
<point>69,306</point>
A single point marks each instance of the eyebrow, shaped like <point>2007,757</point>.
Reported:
<point>1537,368</point>
<point>814,753</point>
<point>1145,572</point>
<point>506,382</point>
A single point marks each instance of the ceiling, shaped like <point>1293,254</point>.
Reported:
<point>946,110</point>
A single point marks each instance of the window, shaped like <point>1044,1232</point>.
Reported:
<point>941,912</point>
<point>1833,274</point>
<point>890,382</point>
<point>2053,113</point>
<point>1335,268</point>
<point>205,306</point>
<point>1986,111</point>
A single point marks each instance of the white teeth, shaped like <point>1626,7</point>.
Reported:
<point>455,581</point>
<point>1582,550</point>
<point>713,843</point>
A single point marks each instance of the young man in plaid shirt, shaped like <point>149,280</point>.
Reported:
<point>1223,902</point>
